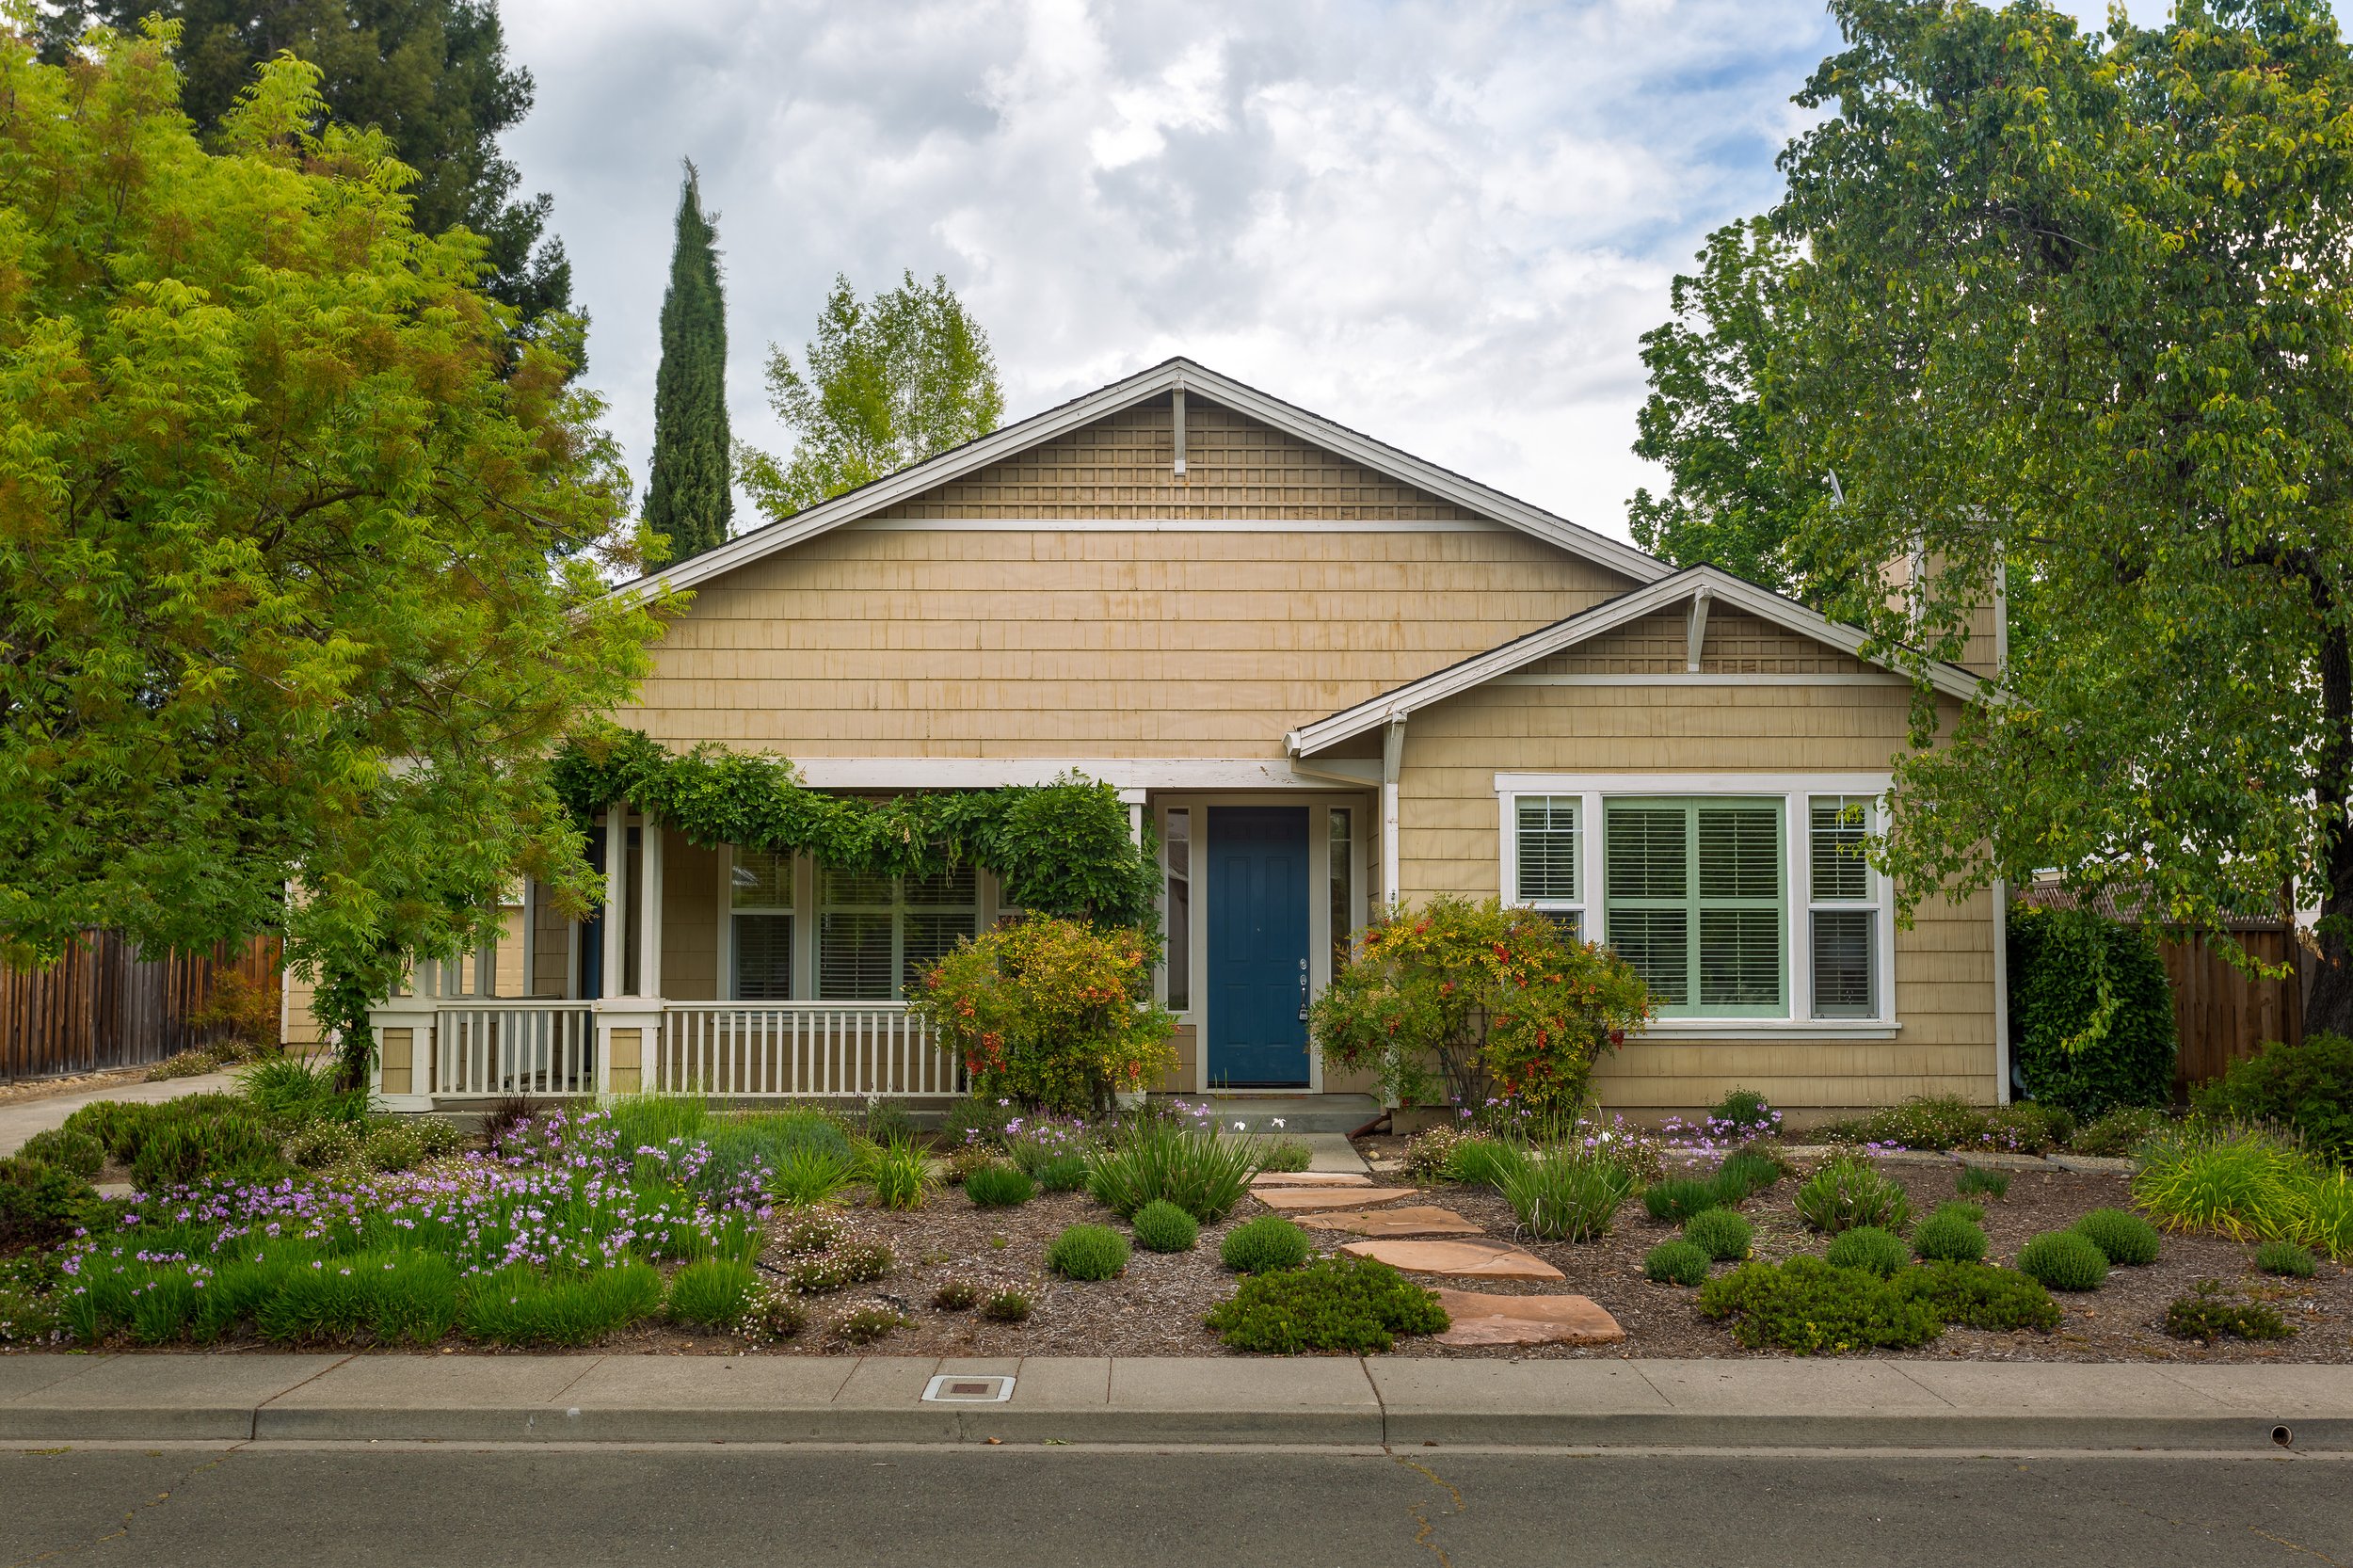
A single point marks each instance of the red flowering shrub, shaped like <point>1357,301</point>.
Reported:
<point>1052,1014</point>
<point>1473,1001</point>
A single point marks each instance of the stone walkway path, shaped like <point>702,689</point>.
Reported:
<point>1399,1237</point>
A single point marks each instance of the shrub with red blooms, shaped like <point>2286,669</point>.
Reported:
<point>1477,1002</point>
<point>1052,1014</point>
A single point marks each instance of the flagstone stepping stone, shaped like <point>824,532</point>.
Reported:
<point>1485,1320</point>
<point>1479,1259</point>
<point>1309,1178</point>
<point>1421,1220</point>
<point>1292,1200</point>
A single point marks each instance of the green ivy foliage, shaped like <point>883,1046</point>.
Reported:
<point>1062,848</point>
<point>2091,1011</point>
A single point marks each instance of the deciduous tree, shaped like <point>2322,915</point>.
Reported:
<point>299,553</point>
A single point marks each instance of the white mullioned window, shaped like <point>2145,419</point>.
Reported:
<point>1841,907</point>
<point>1547,857</point>
<point>875,935</point>
<point>759,916</point>
<point>1744,900</point>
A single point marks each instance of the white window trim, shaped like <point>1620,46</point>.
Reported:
<point>1511,869</point>
<point>1796,792</point>
<point>1876,898</point>
<point>805,924</point>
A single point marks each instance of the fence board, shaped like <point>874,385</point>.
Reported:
<point>102,1004</point>
<point>2221,1014</point>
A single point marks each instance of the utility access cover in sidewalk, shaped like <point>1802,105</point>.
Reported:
<point>952,1388</point>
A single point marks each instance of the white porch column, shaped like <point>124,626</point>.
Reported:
<point>1392,763</point>
<point>615,888</point>
<point>649,908</point>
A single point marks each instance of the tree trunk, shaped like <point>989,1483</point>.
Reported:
<point>2330,1009</point>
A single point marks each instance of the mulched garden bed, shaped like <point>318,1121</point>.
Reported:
<point>1156,1307</point>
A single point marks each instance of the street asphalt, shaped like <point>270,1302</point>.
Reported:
<point>587,1505</point>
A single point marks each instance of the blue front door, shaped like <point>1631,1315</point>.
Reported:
<point>1257,946</point>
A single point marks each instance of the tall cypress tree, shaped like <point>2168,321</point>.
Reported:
<point>688,497</point>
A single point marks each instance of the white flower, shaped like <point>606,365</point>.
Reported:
<point>1278,1121</point>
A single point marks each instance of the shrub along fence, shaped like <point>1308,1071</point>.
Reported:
<point>106,1005</point>
<point>2221,1014</point>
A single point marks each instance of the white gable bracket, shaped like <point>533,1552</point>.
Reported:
<point>1698,635</point>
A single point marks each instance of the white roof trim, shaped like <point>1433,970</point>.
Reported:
<point>1480,669</point>
<point>1168,377</point>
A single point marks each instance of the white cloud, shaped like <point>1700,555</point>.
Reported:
<point>1443,224</point>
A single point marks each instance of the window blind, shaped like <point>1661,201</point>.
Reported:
<point>1845,935</point>
<point>1545,841</point>
<point>1839,873</point>
<point>763,957</point>
<point>1695,894</point>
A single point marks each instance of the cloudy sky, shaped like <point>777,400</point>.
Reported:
<point>1443,224</point>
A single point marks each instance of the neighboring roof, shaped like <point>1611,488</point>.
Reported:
<point>1167,376</point>
<point>1480,668</point>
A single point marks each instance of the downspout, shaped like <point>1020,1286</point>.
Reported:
<point>1392,763</point>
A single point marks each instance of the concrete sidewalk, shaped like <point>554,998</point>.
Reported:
<point>1337,1400</point>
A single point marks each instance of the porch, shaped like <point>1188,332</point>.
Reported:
<point>746,974</point>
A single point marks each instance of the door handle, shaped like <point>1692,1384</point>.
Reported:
<point>1303,990</point>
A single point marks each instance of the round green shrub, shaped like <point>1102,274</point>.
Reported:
<point>1978,1295</point>
<point>1264,1246</point>
<point>1948,1236</point>
<point>1868,1248</point>
<point>713,1294</point>
<point>1162,1226</point>
<point>1087,1252</point>
<point>1811,1307</point>
<point>68,1149</point>
<point>1850,1191</point>
<point>1063,1173</point>
<point>2287,1257</point>
<point>1340,1304</point>
<point>998,1186</point>
<point>1973,1212</point>
<point>1719,1233</point>
<point>2309,1086</point>
<point>2121,1236</point>
<point>1675,1263</point>
<point>2063,1261</point>
<point>2092,1011</point>
<point>1680,1197</point>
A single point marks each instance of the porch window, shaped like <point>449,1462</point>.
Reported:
<point>1694,892</point>
<point>877,933</point>
<point>1841,909</point>
<point>1545,859</point>
<point>760,909</point>
<point>1177,850</point>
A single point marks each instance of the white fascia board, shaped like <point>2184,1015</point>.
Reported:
<point>1105,401</point>
<point>1124,773</point>
<point>1608,616</point>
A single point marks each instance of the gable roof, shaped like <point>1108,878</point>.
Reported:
<point>1657,595</point>
<point>1169,375</point>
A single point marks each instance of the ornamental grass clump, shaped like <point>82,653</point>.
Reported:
<point>1483,1161</point>
<point>1087,1252</point>
<point>1263,1245</point>
<point>1065,1172</point>
<point>2240,1182</point>
<point>713,1294</point>
<point>1162,1226</point>
<point>1721,1233</point>
<point>1987,1181</point>
<point>1568,1194</point>
<point>1054,1014</point>
<point>66,1149</point>
<point>1353,1306</point>
<point>1199,1172</point>
<point>898,1174</point>
<point>1949,1235</point>
<point>1850,1191</point>
<point>2288,1258</point>
<point>1745,1173</point>
<point>2122,1238</point>
<point>1867,1248</point>
<point>1498,1000</point>
<point>2328,1214</point>
<point>1678,1198</point>
<point>1813,1308</point>
<point>998,1186</point>
<point>2063,1261</point>
<point>1675,1263</point>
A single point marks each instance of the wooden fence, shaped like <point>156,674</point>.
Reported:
<point>103,1005</point>
<point>2222,1014</point>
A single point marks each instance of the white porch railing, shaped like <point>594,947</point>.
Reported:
<point>514,1047</point>
<point>799,1050</point>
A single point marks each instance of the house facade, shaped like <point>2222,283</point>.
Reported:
<point>1331,677</point>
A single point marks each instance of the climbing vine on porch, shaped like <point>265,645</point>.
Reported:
<point>1060,849</point>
